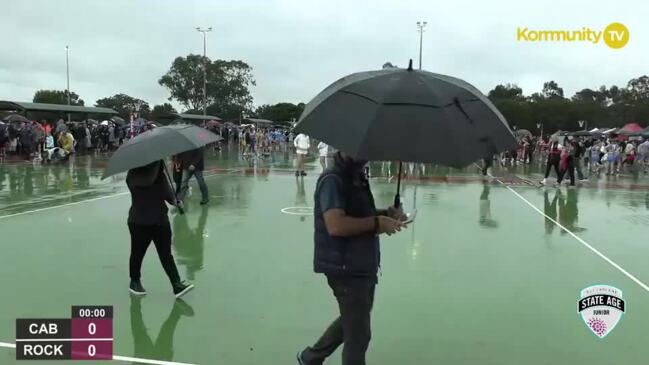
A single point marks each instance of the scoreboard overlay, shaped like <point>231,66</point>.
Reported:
<point>87,335</point>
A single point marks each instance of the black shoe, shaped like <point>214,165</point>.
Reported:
<point>181,289</point>
<point>203,202</point>
<point>136,288</point>
<point>299,358</point>
<point>297,173</point>
<point>303,173</point>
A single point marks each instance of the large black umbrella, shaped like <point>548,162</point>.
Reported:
<point>407,115</point>
<point>158,144</point>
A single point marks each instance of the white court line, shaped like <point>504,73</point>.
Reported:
<point>81,201</point>
<point>120,358</point>
<point>580,240</point>
<point>62,205</point>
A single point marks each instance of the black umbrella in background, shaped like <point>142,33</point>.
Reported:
<point>407,115</point>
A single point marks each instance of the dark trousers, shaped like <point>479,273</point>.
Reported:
<point>553,161</point>
<point>570,168</point>
<point>198,174</point>
<point>141,237</point>
<point>355,297</point>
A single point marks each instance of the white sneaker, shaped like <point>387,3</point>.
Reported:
<point>543,182</point>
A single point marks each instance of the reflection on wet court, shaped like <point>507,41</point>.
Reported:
<point>480,278</point>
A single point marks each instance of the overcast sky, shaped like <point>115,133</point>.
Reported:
<point>298,47</point>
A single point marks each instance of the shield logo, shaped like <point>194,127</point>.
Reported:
<point>601,307</point>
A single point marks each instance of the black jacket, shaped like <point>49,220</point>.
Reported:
<point>193,157</point>
<point>149,193</point>
<point>355,256</point>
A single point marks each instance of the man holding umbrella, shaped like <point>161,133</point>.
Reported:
<point>378,111</point>
<point>192,163</point>
<point>347,229</point>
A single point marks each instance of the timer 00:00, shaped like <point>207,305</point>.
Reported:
<point>94,313</point>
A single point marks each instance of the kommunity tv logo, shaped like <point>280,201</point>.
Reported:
<point>615,35</point>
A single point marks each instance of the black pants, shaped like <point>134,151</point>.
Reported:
<point>355,297</point>
<point>141,237</point>
<point>553,161</point>
<point>570,169</point>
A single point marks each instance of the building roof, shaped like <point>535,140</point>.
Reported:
<point>197,117</point>
<point>20,106</point>
<point>259,121</point>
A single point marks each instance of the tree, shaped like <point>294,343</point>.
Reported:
<point>591,96</point>
<point>639,88</point>
<point>124,105</point>
<point>57,97</point>
<point>228,84</point>
<point>507,91</point>
<point>161,109</point>
<point>552,90</point>
<point>280,112</point>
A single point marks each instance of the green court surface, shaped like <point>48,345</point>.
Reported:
<point>481,277</point>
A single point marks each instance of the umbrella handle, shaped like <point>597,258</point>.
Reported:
<point>171,186</point>
<point>397,197</point>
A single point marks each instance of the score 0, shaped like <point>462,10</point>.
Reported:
<point>92,332</point>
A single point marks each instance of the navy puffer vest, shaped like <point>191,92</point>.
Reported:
<point>346,256</point>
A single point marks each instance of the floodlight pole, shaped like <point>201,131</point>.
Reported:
<point>67,72</point>
<point>204,31</point>
<point>420,29</point>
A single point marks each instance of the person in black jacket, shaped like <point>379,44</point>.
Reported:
<point>347,225</point>
<point>148,221</point>
<point>193,163</point>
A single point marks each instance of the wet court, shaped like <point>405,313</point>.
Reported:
<point>484,276</point>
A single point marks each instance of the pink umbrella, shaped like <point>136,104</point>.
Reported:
<point>632,127</point>
<point>213,124</point>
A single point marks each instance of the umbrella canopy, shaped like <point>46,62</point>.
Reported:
<point>407,115</point>
<point>581,134</point>
<point>118,120</point>
<point>631,127</point>
<point>212,124</point>
<point>523,133</point>
<point>157,144</point>
<point>16,118</point>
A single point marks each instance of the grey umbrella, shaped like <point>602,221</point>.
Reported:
<point>158,144</point>
<point>118,120</point>
<point>407,115</point>
<point>16,118</point>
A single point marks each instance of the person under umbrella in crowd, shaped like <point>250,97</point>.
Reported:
<point>323,151</point>
<point>27,140</point>
<point>568,155</point>
<point>554,159</point>
<point>193,163</point>
<point>347,229</point>
<point>148,221</point>
<point>643,155</point>
<point>302,145</point>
